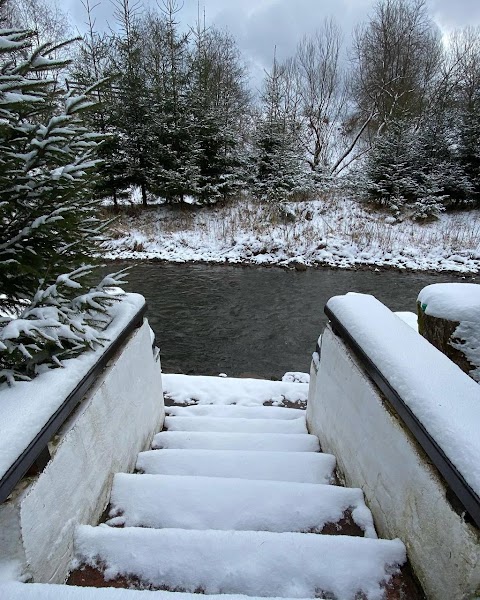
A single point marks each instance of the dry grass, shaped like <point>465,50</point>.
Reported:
<point>314,225</point>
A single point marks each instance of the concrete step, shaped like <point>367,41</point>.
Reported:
<point>165,501</point>
<point>302,467</point>
<point>234,411</point>
<point>282,442</point>
<point>241,562</point>
<point>237,425</point>
<point>42,591</point>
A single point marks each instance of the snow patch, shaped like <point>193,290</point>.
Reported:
<point>296,377</point>
<point>189,389</point>
<point>452,301</point>
<point>162,501</point>
<point>40,591</point>
<point>237,425</point>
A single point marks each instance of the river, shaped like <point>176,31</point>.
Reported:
<point>253,321</point>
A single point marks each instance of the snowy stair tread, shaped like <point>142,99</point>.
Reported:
<point>237,424</point>
<point>237,500</point>
<point>285,442</point>
<point>164,501</point>
<point>255,563</point>
<point>233,411</point>
<point>41,591</point>
<point>302,467</point>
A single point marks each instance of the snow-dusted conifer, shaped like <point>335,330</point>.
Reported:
<point>217,100</point>
<point>94,62</point>
<point>48,222</point>
<point>59,323</point>
<point>280,168</point>
<point>174,172</point>
<point>414,170</point>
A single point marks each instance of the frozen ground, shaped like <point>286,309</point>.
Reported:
<point>337,232</point>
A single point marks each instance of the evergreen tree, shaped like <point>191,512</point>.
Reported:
<point>93,63</point>
<point>414,170</point>
<point>48,221</point>
<point>131,100</point>
<point>174,173</point>
<point>217,101</point>
<point>465,52</point>
<point>279,163</point>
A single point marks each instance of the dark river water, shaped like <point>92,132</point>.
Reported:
<point>253,321</point>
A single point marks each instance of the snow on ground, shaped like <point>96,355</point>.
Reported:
<point>302,467</point>
<point>232,504</point>
<point>27,406</point>
<point>188,389</point>
<point>296,377</point>
<point>443,398</point>
<point>249,562</point>
<point>338,232</point>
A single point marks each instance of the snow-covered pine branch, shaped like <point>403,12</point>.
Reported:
<point>62,321</point>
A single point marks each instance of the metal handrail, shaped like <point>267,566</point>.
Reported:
<point>36,453</point>
<point>462,492</point>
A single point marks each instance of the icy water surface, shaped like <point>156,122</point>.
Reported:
<point>253,321</point>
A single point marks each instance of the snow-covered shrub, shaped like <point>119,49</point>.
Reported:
<point>428,207</point>
<point>61,322</point>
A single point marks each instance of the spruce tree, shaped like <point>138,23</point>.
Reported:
<point>217,100</point>
<point>280,168</point>
<point>48,220</point>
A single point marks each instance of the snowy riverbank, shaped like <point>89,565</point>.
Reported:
<point>335,233</point>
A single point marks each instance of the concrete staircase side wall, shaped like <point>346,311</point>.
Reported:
<point>115,421</point>
<point>402,488</point>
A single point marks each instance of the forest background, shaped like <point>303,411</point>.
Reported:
<point>392,117</point>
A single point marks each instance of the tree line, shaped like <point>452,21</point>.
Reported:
<point>393,116</point>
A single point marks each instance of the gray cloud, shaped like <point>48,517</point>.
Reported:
<point>261,25</point>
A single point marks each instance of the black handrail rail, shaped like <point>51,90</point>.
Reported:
<point>38,447</point>
<point>463,493</point>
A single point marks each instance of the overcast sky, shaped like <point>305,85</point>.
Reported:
<point>260,25</point>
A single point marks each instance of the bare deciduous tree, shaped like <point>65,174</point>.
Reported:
<point>397,55</point>
<point>323,93</point>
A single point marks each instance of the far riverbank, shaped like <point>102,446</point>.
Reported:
<point>338,233</point>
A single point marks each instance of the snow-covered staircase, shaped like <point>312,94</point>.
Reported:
<point>238,500</point>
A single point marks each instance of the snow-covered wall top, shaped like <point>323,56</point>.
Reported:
<point>27,406</point>
<point>443,398</point>
<point>452,301</point>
